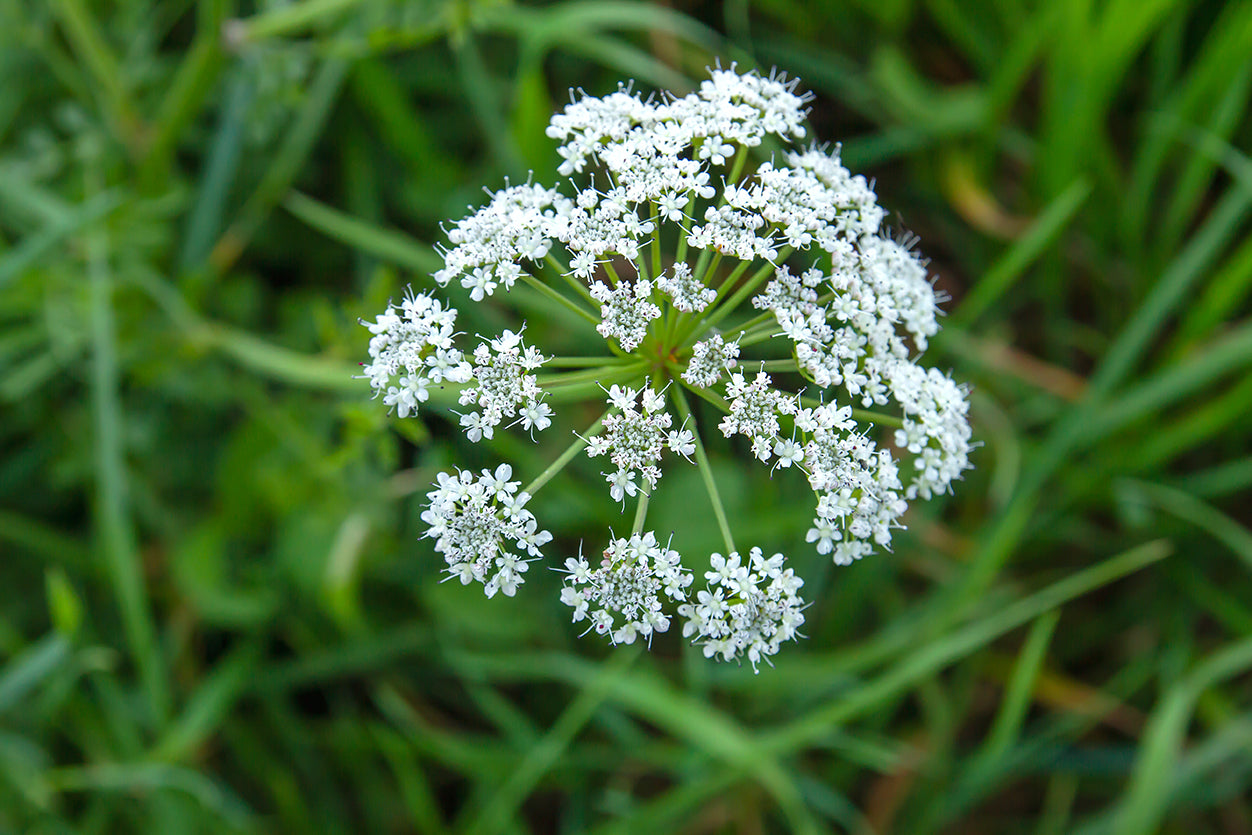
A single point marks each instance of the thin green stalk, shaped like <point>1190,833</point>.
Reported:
<point>83,33</point>
<point>641,512</point>
<point>706,471</point>
<point>641,267</point>
<point>612,273</point>
<point>741,161</point>
<point>656,243</point>
<point>1145,801</point>
<point>683,320</point>
<point>591,375</point>
<point>1021,687</point>
<point>587,362</point>
<point>702,264</point>
<point>943,650</point>
<point>680,253</point>
<point>572,280</point>
<point>117,536</point>
<point>547,751</point>
<point>388,244</point>
<point>186,92</point>
<point>592,388</point>
<point>286,164</point>
<point>765,331</point>
<point>291,18</point>
<point>720,309</point>
<point>564,301</point>
<point>566,456</point>
<point>878,418</point>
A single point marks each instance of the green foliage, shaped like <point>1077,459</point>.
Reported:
<point>217,615</point>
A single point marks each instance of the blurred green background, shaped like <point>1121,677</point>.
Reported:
<point>216,614</point>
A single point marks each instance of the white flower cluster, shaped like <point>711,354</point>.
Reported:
<point>936,427</point>
<point>625,311</point>
<point>748,610</point>
<point>504,387</point>
<point>413,342</point>
<point>474,520</point>
<point>754,411</point>
<point>857,485</point>
<point>629,582</point>
<point>688,293</point>
<point>489,243</point>
<point>691,259</point>
<point>710,359</point>
<point>634,437</point>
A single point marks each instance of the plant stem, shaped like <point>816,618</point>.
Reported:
<point>565,457</point>
<point>545,290</point>
<point>641,512</point>
<point>706,472</point>
<point>117,535</point>
<point>572,280</point>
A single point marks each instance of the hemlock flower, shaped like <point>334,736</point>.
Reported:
<point>629,582</point>
<point>748,610</point>
<point>767,287</point>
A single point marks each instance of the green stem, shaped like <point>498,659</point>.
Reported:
<point>656,243</point>
<point>565,457</point>
<point>591,375</point>
<point>641,266</point>
<point>706,472</point>
<point>545,290</point>
<point>585,362</point>
<point>284,20</point>
<point>766,323</point>
<point>720,309</point>
<point>592,388</point>
<point>186,92</point>
<point>612,273</point>
<point>84,35</point>
<point>641,513</point>
<point>878,418</point>
<point>572,280</point>
<point>117,535</point>
<point>741,160</point>
<point>680,253</point>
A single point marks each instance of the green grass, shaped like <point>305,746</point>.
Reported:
<point>217,615</point>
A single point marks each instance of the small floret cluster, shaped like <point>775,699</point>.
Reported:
<point>482,528</point>
<point>505,386</point>
<point>748,610</point>
<point>730,295</point>
<point>633,438</point>
<point>412,350</point>
<point>628,583</point>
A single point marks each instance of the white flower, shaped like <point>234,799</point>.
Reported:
<point>688,293</point>
<point>750,610</point>
<point>626,311</point>
<point>411,349</point>
<point>709,360</point>
<point>635,579</point>
<point>474,520</point>
<point>500,234</point>
<point>754,411</point>
<point>633,439</point>
<point>502,386</point>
